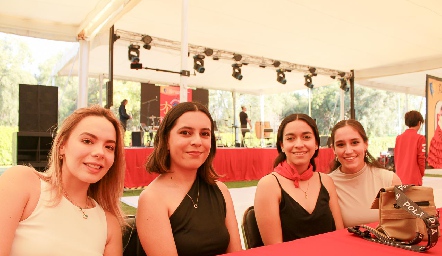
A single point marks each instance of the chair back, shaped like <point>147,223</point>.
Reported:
<point>250,231</point>
<point>131,242</point>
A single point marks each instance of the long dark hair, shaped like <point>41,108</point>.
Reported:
<point>368,158</point>
<point>293,117</point>
<point>159,160</point>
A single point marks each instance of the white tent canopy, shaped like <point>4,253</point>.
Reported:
<point>390,45</point>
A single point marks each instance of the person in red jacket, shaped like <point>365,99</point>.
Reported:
<point>409,151</point>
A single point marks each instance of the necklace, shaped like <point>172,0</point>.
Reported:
<point>195,205</point>
<point>305,192</point>
<point>85,216</point>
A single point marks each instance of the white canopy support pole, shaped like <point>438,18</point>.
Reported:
<point>83,74</point>
<point>399,123</point>
<point>342,109</point>
<point>100,96</point>
<point>406,102</point>
<point>309,102</point>
<point>235,120</point>
<point>262,121</point>
<point>184,50</point>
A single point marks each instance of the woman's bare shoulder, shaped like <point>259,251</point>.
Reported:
<point>20,174</point>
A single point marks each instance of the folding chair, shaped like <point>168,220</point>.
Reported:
<point>250,231</point>
<point>131,242</point>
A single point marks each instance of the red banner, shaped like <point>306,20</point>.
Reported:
<point>169,97</point>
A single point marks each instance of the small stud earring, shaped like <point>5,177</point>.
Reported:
<point>61,157</point>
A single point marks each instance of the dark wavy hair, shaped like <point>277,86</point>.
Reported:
<point>368,158</point>
<point>412,118</point>
<point>293,117</point>
<point>159,160</point>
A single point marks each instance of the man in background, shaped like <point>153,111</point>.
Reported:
<point>123,114</point>
<point>244,119</point>
<point>409,151</point>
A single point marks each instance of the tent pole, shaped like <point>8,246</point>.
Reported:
<point>83,75</point>
<point>110,82</point>
<point>184,50</point>
<point>352,95</point>
<point>342,112</point>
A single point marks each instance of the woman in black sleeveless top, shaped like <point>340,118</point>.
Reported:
<point>296,201</point>
<point>185,211</point>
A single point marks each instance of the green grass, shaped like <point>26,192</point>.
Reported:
<point>433,175</point>
<point>129,210</point>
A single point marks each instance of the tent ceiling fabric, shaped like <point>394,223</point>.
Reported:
<point>389,44</point>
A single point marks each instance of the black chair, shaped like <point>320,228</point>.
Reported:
<point>131,242</point>
<point>250,231</point>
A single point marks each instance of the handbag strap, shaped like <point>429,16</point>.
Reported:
<point>371,234</point>
<point>431,222</point>
<point>402,201</point>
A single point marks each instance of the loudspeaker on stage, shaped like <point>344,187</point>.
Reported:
<point>137,139</point>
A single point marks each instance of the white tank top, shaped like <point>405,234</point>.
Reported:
<point>60,230</point>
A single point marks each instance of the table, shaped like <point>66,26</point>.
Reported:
<point>233,164</point>
<point>339,242</point>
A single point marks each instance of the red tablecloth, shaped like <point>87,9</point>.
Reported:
<point>234,164</point>
<point>339,242</point>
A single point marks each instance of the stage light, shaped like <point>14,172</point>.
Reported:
<point>198,63</point>
<point>237,57</point>
<point>280,76</point>
<point>134,51</point>
<point>312,71</point>
<point>276,63</point>
<point>236,71</point>
<point>208,52</point>
<point>146,40</point>
<point>135,63</point>
<point>344,86</point>
<point>308,81</point>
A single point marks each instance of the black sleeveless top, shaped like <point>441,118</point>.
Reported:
<point>201,231</point>
<point>296,222</point>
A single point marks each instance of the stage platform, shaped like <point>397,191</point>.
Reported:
<point>233,164</point>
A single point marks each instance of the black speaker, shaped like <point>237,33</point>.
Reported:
<point>137,139</point>
<point>37,108</point>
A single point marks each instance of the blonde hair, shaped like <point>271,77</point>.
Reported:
<point>108,190</point>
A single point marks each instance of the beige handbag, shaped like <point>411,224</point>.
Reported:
<point>398,223</point>
<point>407,215</point>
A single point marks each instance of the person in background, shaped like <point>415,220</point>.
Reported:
<point>123,114</point>
<point>295,200</point>
<point>409,151</point>
<point>358,176</point>
<point>73,207</point>
<point>185,210</point>
<point>244,120</point>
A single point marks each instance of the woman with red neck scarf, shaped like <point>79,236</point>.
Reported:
<point>295,201</point>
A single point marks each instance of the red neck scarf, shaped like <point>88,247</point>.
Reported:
<point>288,171</point>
